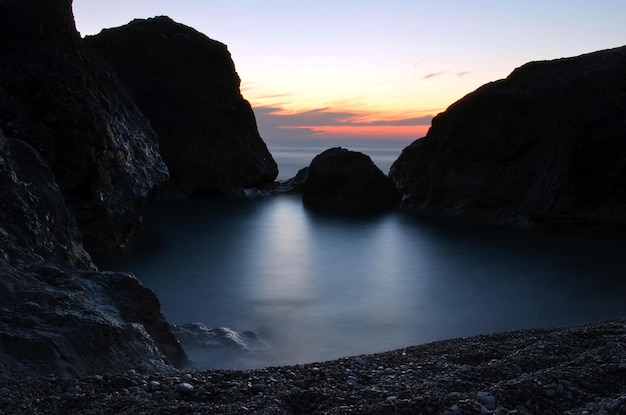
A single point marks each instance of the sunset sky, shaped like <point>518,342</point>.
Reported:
<point>373,69</point>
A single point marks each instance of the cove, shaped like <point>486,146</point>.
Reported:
<point>316,287</point>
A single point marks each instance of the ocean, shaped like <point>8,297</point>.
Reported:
<point>264,282</point>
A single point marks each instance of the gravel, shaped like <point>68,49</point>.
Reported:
<point>572,370</point>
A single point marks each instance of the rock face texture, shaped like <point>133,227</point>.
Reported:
<point>75,113</point>
<point>79,163</point>
<point>186,84</point>
<point>346,181</point>
<point>57,314</point>
<point>547,144</point>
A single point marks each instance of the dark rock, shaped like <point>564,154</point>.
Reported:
<point>57,314</point>
<point>73,325</point>
<point>295,184</point>
<point>74,111</point>
<point>348,182</point>
<point>78,163</point>
<point>187,86</point>
<point>546,144</point>
<point>35,224</point>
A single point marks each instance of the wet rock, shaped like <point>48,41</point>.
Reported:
<point>186,84</point>
<point>544,145</point>
<point>347,182</point>
<point>295,184</point>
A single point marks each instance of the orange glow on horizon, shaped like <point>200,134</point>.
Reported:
<point>370,131</point>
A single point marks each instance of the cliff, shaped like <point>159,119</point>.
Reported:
<point>545,145</point>
<point>186,84</point>
<point>79,164</point>
<point>77,116</point>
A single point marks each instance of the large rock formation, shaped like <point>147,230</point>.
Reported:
<point>75,113</point>
<point>547,144</point>
<point>57,314</point>
<point>346,181</point>
<point>186,84</point>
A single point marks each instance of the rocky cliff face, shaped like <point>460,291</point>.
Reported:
<point>74,112</point>
<point>186,84</point>
<point>57,314</point>
<point>547,144</point>
<point>79,162</point>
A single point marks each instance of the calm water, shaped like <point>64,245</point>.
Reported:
<point>315,287</point>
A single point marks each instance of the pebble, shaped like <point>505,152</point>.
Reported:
<point>486,399</point>
<point>184,387</point>
<point>121,382</point>
<point>360,361</point>
<point>423,382</point>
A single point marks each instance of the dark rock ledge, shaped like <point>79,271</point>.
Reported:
<point>576,370</point>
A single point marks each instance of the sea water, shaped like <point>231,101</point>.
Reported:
<point>268,282</point>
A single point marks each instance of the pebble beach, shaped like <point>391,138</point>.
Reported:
<point>569,370</point>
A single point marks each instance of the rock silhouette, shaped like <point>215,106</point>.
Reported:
<point>186,84</point>
<point>346,181</point>
<point>546,145</point>
<point>77,116</point>
<point>79,163</point>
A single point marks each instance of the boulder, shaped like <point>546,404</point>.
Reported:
<point>545,145</point>
<point>73,110</point>
<point>186,84</point>
<point>346,181</point>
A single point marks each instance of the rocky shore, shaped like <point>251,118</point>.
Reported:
<point>573,370</point>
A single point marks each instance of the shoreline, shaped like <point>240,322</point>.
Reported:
<point>575,370</point>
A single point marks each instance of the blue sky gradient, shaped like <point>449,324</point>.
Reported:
<point>327,68</point>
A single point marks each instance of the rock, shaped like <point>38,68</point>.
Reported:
<point>489,401</point>
<point>36,224</point>
<point>293,185</point>
<point>78,329</point>
<point>184,387</point>
<point>348,182</point>
<point>187,86</point>
<point>79,163</point>
<point>76,114</point>
<point>545,144</point>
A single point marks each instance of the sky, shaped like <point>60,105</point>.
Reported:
<point>373,69</point>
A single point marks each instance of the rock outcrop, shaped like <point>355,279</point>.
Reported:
<point>546,144</point>
<point>186,84</point>
<point>346,181</point>
<point>58,315</point>
<point>79,163</point>
<point>76,114</point>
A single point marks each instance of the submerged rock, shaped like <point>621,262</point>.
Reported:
<point>546,144</point>
<point>349,182</point>
<point>187,86</point>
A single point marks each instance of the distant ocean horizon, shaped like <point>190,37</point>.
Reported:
<point>293,155</point>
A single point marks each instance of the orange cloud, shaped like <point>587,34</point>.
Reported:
<point>366,131</point>
<point>276,122</point>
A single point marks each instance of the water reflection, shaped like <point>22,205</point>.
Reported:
<point>317,287</point>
